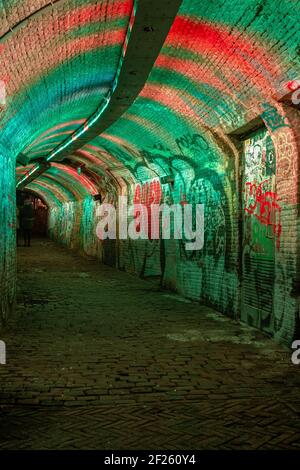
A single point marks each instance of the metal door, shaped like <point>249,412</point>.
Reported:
<point>261,230</point>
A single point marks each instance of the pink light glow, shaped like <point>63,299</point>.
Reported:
<point>190,69</point>
<point>57,189</point>
<point>91,14</point>
<point>52,136</point>
<point>82,179</point>
<point>169,98</point>
<point>40,138</point>
<point>100,149</point>
<point>86,156</point>
<point>242,54</point>
<point>62,54</point>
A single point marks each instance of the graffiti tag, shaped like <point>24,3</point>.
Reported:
<point>263,204</point>
<point>147,194</point>
<point>192,141</point>
<point>272,118</point>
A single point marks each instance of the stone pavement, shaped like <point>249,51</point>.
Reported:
<point>98,359</point>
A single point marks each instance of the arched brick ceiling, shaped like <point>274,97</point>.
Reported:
<point>57,66</point>
<point>222,62</point>
<point>78,185</point>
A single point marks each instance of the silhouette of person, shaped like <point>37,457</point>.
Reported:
<point>27,219</point>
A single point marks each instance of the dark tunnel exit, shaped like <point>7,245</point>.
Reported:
<point>39,212</point>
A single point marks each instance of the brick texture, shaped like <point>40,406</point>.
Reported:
<point>7,234</point>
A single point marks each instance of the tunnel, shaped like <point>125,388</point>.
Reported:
<point>150,152</point>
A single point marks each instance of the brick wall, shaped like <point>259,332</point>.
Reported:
<point>284,129</point>
<point>209,275</point>
<point>222,66</point>
<point>73,224</point>
<point>7,234</point>
<point>212,275</point>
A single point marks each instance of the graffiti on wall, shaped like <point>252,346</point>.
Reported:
<point>190,170</point>
<point>192,142</point>
<point>206,191</point>
<point>147,194</point>
<point>272,118</point>
<point>197,180</point>
<point>261,230</point>
<point>263,204</point>
<point>260,198</point>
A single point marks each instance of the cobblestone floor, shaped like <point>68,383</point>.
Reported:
<point>98,359</point>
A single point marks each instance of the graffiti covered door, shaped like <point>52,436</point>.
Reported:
<point>261,230</point>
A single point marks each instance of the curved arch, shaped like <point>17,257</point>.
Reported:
<point>222,69</point>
